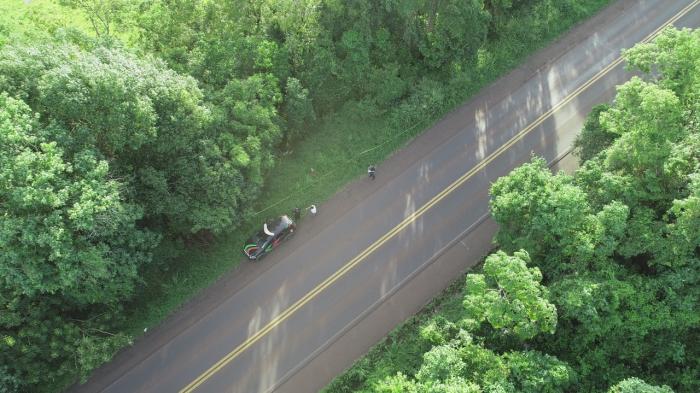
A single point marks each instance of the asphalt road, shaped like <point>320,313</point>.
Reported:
<point>378,251</point>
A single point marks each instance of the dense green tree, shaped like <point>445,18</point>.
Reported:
<point>683,234</point>
<point>670,59</point>
<point>611,326</point>
<point>67,229</point>
<point>442,31</point>
<point>509,296</point>
<point>550,217</point>
<point>298,109</point>
<point>439,331</point>
<point>117,143</point>
<point>398,383</point>
<point>337,51</point>
<point>630,310</point>
<point>71,247</point>
<point>593,137</point>
<point>650,124</point>
<point>636,385</point>
<point>45,343</point>
<point>185,169</point>
<point>464,365</point>
<point>441,363</point>
<point>645,301</point>
<point>535,372</point>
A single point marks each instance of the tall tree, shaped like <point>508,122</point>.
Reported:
<point>551,218</point>
<point>509,296</point>
<point>671,58</point>
<point>71,251</point>
<point>593,137</point>
<point>67,229</point>
<point>636,385</point>
<point>179,162</point>
<point>443,31</point>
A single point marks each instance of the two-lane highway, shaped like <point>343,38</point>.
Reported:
<point>287,329</point>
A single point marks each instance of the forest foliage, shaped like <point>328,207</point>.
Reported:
<point>596,283</point>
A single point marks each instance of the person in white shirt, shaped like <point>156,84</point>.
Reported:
<point>313,210</point>
<point>267,231</point>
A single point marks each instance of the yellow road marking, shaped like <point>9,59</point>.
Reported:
<point>408,220</point>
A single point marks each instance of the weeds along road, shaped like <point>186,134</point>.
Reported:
<point>378,251</point>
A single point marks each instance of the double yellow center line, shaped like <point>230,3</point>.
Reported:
<point>411,218</point>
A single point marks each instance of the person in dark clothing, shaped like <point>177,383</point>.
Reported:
<point>371,170</point>
<point>296,214</point>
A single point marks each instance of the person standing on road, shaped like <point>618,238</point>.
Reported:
<point>312,210</point>
<point>296,213</point>
<point>371,170</point>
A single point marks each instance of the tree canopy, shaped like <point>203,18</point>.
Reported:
<point>152,126</point>
<point>508,295</point>
<point>70,244</point>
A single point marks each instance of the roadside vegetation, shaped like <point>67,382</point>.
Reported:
<point>595,286</point>
<point>141,141</point>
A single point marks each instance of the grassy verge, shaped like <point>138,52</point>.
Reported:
<point>337,149</point>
